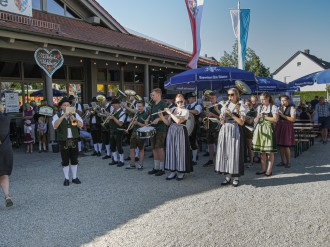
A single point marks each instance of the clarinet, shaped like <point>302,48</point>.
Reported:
<point>256,122</point>
<point>223,115</point>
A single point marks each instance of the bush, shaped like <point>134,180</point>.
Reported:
<point>310,95</point>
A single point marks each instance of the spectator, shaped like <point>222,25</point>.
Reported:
<point>314,102</point>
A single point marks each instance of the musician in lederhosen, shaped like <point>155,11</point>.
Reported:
<point>138,121</point>
<point>96,131</point>
<point>106,105</point>
<point>284,130</point>
<point>178,156</point>
<point>212,128</point>
<point>116,120</point>
<point>67,127</point>
<point>231,143</point>
<point>264,139</point>
<point>158,140</point>
<point>196,110</point>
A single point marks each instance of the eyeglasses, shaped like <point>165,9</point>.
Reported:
<point>230,94</point>
<point>179,102</point>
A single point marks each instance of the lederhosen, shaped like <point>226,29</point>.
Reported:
<point>193,136</point>
<point>126,124</point>
<point>213,131</point>
<point>116,136</point>
<point>284,129</point>
<point>96,128</point>
<point>105,135</point>
<point>68,146</point>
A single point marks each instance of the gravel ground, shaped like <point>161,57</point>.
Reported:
<point>118,207</point>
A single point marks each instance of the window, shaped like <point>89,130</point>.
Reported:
<point>9,69</point>
<point>102,75</point>
<point>32,71</point>
<point>70,13</point>
<point>36,4</point>
<point>60,73</point>
<point>298,64</point>
<point>114,75</point>
<point>76,73</point>
<point>129,76</point>
<point>55,7</point>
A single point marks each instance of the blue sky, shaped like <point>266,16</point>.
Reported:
<point>278,28</point>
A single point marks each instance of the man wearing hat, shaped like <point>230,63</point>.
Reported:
<point>106,105</point>
<point>116,120</point>
<point>67,129</point>
<point>196,110</point>
<point>95,127</point>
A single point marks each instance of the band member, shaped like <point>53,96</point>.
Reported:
<point>168,98</point>
<point>116,120</point>
<point>254,101</point>
<point>96,131</point>
<point>249,124</point>
<point>231,144</point>
<point>212,131</point>
<point>263,140</point>
<point>178,157</point>
<point>6,155</point>
<point>196,110</point>
<point>135,142</point>
<point>285,131</point>
<point>158,140</point>
<point>67,127</point>
<point>322,110</point>
<point>79,110</point>
<point>42,133</point>
<point>106,105</point>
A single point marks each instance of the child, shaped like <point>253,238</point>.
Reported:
<point>42,129</point>
<point>28,139</point>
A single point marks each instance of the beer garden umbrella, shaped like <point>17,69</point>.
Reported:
<point>212,77</point>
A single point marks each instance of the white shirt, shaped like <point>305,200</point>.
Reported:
<point>122,115</point>
<point>184,113</point>
<point>195,106</point>
<point>232,107</point>
<point>55,118</point>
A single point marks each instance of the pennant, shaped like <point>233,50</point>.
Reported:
<point>195,10</point>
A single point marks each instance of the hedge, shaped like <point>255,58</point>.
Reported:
<point>310,95</point>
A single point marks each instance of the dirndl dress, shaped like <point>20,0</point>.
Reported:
<point>264,140</point>
<point>178,153</point>
<point>284,133</point>
<point>230,150</point>
<point>6,152</point>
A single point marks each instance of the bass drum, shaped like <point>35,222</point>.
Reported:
<point>190,124</point>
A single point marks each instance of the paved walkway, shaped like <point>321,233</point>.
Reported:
<point>118,207</point>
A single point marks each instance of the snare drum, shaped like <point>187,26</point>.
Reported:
<point>146,132</point>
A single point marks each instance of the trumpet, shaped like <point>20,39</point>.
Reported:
<point>131,124</point>
<point>74,121</point>
<point>107,119</point>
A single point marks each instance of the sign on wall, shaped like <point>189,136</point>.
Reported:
<point>12,102</point>
<point>21,7</point>
<point>49,61</point>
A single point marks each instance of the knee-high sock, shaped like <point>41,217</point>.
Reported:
<point>161,165</point>
<point>66,172</point>
<point>96,147</point>
<point>121,157</point>
<point>100,147</point>
<point>79,146</point>
<point>114,156</point>
<point>194,155</point>
<point>156,164</point>
<point>107,147</point>
<point>74,169</point>
<point>45,146</point>
<point>40,146</point>
<point>137,151</point>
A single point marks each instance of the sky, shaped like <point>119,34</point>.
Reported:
<point>278,28</point>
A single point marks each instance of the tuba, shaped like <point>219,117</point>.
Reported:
<point>242,87</point>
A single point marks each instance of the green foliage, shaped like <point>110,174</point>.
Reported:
<point>252,61</point>
<point>310,95</point>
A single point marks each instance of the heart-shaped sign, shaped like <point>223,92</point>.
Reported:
<point>49,61</point>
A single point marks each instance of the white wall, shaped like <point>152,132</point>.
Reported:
<point>291,72</point>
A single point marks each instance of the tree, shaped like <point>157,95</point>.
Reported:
<point>252,61</point>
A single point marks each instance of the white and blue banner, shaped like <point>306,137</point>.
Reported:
<point>241,21</point>
<point>21,7</point>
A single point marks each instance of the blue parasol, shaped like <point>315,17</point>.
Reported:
<point>265,84</point>
<point>321,77</point>
<point>213,77</point>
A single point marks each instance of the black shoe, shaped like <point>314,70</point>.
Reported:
<point>94,154</point>
<point>40,151</point>
<point>128,158</point>
<point>261,173</point>
<point>76,181</point>
<point>113,163</point>
<point>106,157</point>
<point>268,175</point>
<point>153,171</point>
<point>66,182</point>
<point>137,159</point>
<point>206,154</point>
<point>98,154</point>
<point>226,182</point>
<point>235,182</point>
<point>194,163</point>
<point>210,162</point>
<point>120,164</point>
<point>9,202</point>
<point>160,173</point>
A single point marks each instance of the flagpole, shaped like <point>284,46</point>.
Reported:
<point>239,48</point>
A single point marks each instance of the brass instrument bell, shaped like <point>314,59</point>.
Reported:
<point>242,87</point>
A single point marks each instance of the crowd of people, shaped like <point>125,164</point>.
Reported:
<point>237,132</point>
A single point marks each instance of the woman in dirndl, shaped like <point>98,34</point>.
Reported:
<point>178,154</point>
<point>285,131</point>
<point>231,141</point>
<point>264,140</point>
<point>6,155</point>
